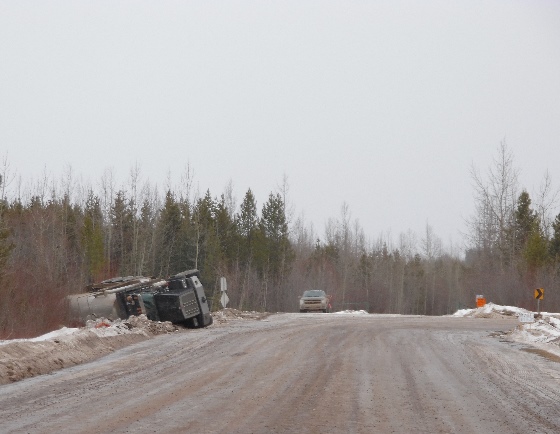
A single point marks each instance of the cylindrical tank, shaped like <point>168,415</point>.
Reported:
<point>89,306</point>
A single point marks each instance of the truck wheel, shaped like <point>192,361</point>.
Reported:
<point>209,322</point>
<point>204,320</point>
<point>190,323</point>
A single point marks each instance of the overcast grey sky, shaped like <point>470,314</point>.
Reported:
<point>384,105</point>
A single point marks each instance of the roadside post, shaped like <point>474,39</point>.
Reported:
<point>223,288</point>
<point>539,295</point>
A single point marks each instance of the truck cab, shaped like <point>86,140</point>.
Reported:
<point>185,300</point>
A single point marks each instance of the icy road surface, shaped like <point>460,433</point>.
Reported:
<point>302,373</point>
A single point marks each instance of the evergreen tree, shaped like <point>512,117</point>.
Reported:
<point>525,221</point>
<point>189,235</point>
<point>122,229</point>
<point>274,227</point>
<point>247,224</point>
<point>528,238</point>
<point>208,246</point>
<point>248,217</point>
<point>168,257</point>
<point>536,252</point>
<point>71,217</point>
<point>92,238</point>
<point>146,240</point>
<point>554,248</point>
<point>226,231</point>
<point>203,222</point>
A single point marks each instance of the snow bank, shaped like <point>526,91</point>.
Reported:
<point>103,327</point>
<point>23,358</point>
<point>57,334</point>
<point>543,332</point>
<point>490,310</point>
<point>351,312</point>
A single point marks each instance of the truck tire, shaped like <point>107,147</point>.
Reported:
<point>209,321</point>
<point>204,320</point>
<point>190,323</point>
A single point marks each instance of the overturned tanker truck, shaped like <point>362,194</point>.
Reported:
<point>179,299</point>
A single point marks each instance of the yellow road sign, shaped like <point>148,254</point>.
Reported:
<point>539,293</point>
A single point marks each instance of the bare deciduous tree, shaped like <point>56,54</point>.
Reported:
<point>230,200</point>
<point>495,197</point>
<point>546,201</point>
<point>108,195</point>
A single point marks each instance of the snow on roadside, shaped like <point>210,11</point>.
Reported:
<point>103,327</point>
<point>351,312</point>
<point>57,334</point>
<point>24,358</point>
<point>134,324</point>
<point>229,314</point>
<point>490,310</point>
<point>543,332</point>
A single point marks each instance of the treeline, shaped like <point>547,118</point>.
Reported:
<point>53,246</point>
<point>514,241</point>
<point>59,237</point>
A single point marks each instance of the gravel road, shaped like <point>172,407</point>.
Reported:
<point>302,373</point>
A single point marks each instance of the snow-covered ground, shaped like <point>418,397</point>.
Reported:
<point>22,358</point>
<point>141,325</point>
<point>543,332</point>
<point>490,310</point>
<point>351,312</point>
<point>103,328</point>
<point>57,334</point>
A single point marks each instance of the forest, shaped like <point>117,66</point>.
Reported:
<point>57,236</point>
